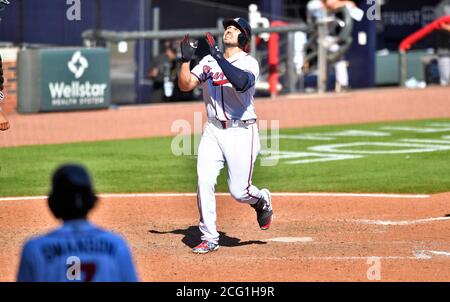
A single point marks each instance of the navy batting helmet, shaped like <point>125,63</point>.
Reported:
<point>245,28</point>
<point>72,195</point>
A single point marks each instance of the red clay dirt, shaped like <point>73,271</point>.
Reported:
<point>162,231</point>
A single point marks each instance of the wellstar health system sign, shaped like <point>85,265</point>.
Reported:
<point>64,79</point>
<point>75,79</point>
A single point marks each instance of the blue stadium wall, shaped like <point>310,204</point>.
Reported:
<point>45,22</point>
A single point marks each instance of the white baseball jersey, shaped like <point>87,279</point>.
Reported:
<point>222,100</point>
<point>237,147</point>
<point>77,251</point>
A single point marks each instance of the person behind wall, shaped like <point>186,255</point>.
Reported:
<point>341,66</point>
<point>163,73</point>
<point>443,43</point>
<point>317,9</point>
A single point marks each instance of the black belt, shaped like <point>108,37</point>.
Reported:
<point>232,123</point>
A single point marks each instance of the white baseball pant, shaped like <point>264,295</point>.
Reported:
<point>238,148</point>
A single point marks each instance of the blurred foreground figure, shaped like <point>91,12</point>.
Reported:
<point>78,250</point>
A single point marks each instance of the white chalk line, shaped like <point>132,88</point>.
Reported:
<point>409,196</point>
<point>440,253</point>
<point>417,255</point>
<point>291,239</point>
<point>280,194</point>
<point>426,254</point>
<point>405,222</point>
<point>346,258</point>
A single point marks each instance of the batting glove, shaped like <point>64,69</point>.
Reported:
<point>187,49</point>
<point>213,47</point>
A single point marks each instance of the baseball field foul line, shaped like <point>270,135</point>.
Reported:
<point>405,222</point>
<point>281,194</point>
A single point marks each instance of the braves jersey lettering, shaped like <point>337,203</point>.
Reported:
<point>222,100</point>
<point>84,245</point>
<point>103,256</point>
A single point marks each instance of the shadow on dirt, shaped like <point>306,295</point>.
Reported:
<point>192,237</point>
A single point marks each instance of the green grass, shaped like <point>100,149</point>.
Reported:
<point>147,165</point>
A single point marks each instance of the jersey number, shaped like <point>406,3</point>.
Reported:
<point>75,269</point>
<point>89,270</point>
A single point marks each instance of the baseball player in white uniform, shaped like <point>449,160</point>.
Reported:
<point>231,133</point>
<point>78,250</point>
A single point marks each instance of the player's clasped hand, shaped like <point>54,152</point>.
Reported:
<point>213,47</point>
<point>187,49</point>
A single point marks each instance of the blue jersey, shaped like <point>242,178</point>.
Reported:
<point>77,251</point>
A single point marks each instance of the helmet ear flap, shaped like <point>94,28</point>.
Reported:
<point>243,41</point>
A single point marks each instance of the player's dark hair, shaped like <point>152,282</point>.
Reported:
<point>72,195</point>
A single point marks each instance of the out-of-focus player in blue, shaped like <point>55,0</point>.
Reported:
<point>78,250</point>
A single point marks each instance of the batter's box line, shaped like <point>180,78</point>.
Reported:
<point>404,222</point>
<point>417,255</point>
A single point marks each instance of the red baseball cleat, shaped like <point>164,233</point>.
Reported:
<point>205,247</point>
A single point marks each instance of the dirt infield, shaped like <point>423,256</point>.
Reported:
<point>340,238</point>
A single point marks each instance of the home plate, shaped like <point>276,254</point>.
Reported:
<point>291,239</point>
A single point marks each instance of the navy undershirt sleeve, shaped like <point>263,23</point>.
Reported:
<point>240,79</point>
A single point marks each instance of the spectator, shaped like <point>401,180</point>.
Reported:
<point>315,10</point>
<point>341,66</point>
<point>78,250</point>
<point>336,4</point>
<point>163,73</point>
<point>443,43</point>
